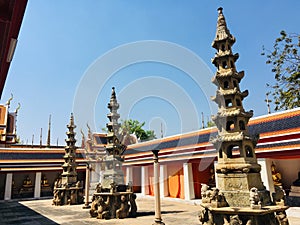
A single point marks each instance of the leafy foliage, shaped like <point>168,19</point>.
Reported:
<point>135,127</point>
<point>210,124</point>
<point>285,62</point>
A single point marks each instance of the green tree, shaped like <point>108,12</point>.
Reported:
<point>285,62</point>
<point>136,127</point>
<point>210,124</point>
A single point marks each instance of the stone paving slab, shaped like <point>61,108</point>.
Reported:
<point>42,212</point>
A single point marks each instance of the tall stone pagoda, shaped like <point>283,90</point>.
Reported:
<point>240,196</point>
<point>67,189</point>
<point>113,198</point>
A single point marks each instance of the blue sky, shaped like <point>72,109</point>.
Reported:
<point>61,42</point>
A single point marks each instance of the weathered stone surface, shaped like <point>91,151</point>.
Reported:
<point>238,173</point>
<point>112,198</point>
<point>67,189</point>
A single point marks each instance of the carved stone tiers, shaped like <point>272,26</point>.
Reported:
<point>112,198</point>
<point>67,189</point>
<point>240,196</point>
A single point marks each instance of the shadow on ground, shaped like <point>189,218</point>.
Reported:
<point>140,214</point>
<point>18,214</point>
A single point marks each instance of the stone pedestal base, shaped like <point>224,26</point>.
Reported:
<point>236,186</point>
<point>68,196</point>
<point>109,205</point>
<point>271,215</point>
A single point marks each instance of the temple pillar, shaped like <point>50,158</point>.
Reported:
<point>163,180</point>
<point>94,176</point>
<point>37,185</point>
<point>145,180</point>
<point>189,192</point>
<point>129,175</point>
<point>266,173</point>
<point>8,186</point>
<point>158,219</point>
<point>87,187</point>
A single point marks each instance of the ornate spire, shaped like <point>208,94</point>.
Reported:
<point>49,132</point>
<point>41,137</point>
<point>69,174</point>
<point>113,124</point>
<point>18,108</point>
<point>234,145</point>
<point>222,30</point>
<point>82,139</point>
<point>114,146</point>
<point>9,100</point>
<point>68,190</point>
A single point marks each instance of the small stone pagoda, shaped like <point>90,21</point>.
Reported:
<point>240,196</point>
<point>112,197</point>
<point>67,189</point>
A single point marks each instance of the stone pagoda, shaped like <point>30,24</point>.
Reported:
<point>240,196</point>
<point>67,189</point>
<point>112,197</point>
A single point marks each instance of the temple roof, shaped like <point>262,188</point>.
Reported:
<point>278,137</point>
<point>11,17</point>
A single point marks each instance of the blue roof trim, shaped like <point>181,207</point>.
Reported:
<point>29,155</point>
<point>269,126</point>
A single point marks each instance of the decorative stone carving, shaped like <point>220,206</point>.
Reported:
<point>112,197</point>
<point>282,218</point>
<point>212,196</point>
<point>255,202</point>
<point>67,189</point>
<point>238,173</point>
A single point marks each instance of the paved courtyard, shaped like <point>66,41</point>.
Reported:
<point>37,212</point>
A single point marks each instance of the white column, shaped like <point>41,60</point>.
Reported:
<point>8,186</point>
<point>145,180</point>
<point>266,173</point>
<point>189,192</point>
<point>37,184</point>
<point>157,219</point>
<point>129,175</point>
<point>94,175</point>
<point>101,176</point>
<point>163,180</point>
<point>87,187</point>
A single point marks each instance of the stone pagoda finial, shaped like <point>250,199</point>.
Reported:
<point>82,139</point>
<point>69,174</point>
<point>114,146</point>
<point>222,30</point>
